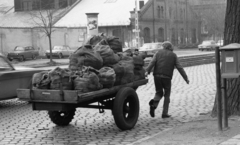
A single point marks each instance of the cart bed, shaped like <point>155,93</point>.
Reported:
<point>71,96</point>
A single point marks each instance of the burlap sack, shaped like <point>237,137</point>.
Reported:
<point>85,56</point>
<point>107,54</point>
<point>139,74</point>
<point>107,77</point>
<point>41,80</point>
<point>124,70</point>
<point>88,82</point>
<point>61,79</point>
<point>115,44</point>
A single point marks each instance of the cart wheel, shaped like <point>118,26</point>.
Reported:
<point>126,108</point>
<point>61,118</point>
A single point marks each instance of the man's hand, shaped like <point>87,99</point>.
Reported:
<point>187,81</point>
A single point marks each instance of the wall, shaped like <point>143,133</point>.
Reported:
<point>12,37</point>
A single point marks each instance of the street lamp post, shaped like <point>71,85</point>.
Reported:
<point>136,26</point>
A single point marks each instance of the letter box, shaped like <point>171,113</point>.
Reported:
<point>230,56</point>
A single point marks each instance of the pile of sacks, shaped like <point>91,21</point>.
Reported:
<point>100,63</point>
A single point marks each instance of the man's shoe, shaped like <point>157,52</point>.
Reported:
<point>152,109</point>
<point>166,116</point>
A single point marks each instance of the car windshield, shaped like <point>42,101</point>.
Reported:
<point>58,48</point>
<point>4,65</point>
<point>19,49</point>
<point>206,42</point>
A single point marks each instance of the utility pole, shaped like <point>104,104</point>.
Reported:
<point>153,20</point>
<point>136,25</point>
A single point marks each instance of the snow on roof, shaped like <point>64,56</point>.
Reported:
<point>23,19</point>
<point>111,13</point>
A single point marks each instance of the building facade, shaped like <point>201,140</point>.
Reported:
<point>159,20</point>
<point>212,15</point>
<point>172,20</point>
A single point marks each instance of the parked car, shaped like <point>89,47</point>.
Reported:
<point>60,51</point>
<point>23,53</point>
<point>207,45</point>
<point>151,48</point>
<point>12,78</point>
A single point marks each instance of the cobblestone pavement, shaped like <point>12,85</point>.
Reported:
<point>19,125</point>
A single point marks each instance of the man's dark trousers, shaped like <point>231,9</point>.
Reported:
<point>163,88</point>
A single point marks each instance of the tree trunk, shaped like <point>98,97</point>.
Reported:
<point>50,48</point>
<point>231,35</point>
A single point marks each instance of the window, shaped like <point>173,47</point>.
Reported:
<point>26,5</point>
<point>160,35</point>
<point>146,35</point>
<point>63,3</point>
<point>47,4</point>
<point>36,5</point>
<point>181,14</point>
<point>158,12</point>
<point>162,12</point>
<point>170,12</point>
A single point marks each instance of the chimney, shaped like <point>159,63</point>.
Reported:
<point>141,4</point>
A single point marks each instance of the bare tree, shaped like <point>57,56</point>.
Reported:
<point>215,20</point>
<point>232,35</point>
<point>44,20</point>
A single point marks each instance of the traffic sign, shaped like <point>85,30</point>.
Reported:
<point>134,30</point>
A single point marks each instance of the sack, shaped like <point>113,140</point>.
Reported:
<point>139,74</point>
<point>88,82</point>
<point>107,54</point>
<point>41,80</point>
<point>107,77</point>
<point>85,56</point>
<point>138,62</point>
<point>115,44</point>
<point>61,79</point>
<point>94,40</point>
<point>124,70</point>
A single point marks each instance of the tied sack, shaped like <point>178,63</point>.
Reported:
<point>94,40</point>
<point>85,56</point>
<point>107,77</point>
<point>138,62</point>
<point>115,44</point>
<point>61,79</point>
<point>139,74</point>
<point>124,70</point>
<point>41,80</point>
<point>107,54</point>
<point>88,82</point>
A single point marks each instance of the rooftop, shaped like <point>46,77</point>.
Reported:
<point>111,13</point>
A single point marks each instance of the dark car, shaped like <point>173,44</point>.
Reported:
<point>23,53</point>
<point>12,78</point>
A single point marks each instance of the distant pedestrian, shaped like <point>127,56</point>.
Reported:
<point>163,62</point>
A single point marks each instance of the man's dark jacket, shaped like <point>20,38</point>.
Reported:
<point>164,62</point>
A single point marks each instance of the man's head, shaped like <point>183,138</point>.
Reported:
<point>167,45</point>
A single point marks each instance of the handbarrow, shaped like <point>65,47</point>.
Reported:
<point>61,104</point>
